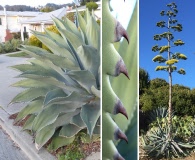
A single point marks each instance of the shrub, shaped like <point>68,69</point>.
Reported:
<point>8,47</point>
<point>15,44</point>
<point>2,48</point>
<point>92,6</point>
<point>181,125</point>
<point>34,41</point>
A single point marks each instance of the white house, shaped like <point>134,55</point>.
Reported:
<point>41,21</point>
<point>10,22</point>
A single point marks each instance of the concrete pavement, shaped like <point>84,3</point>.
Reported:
<point>9,150</point>
<point>22,139</point>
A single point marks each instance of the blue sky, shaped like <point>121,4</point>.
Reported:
<point>148,16</point>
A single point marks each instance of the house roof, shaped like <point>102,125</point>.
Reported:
<point>46,18</point>
<point>97,12</point>
<point>21,14</point>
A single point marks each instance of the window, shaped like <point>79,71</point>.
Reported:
<point>0,22</point>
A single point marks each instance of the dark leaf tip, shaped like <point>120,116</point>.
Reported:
<point>121,68</point>
<point>120,32</point>
<point>120,135</point>
<point>119,108</point>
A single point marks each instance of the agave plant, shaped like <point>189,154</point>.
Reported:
<point>156,143</point>
<point>62,88</point>
<point>112,65</point>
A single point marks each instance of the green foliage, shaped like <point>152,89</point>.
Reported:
<point>2,48</point>
<point>182,98</point>
<point>156,144</point>
<point>11,46</point>
<point>181,125</point>
<point>70,100</point>
<point>144,80</point>
<point>8,47</point>
<point>46,9</point>
<point>34,41</point>
<point>91,6</point>
<point>70,16</point>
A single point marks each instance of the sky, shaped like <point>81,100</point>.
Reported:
<point>148,16</point>
<point>123,10</point>
<point>33,3</point>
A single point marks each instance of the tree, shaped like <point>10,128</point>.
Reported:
<point>171,25</point>
<point>91,6</point>
<point>46,9</point>
<point>144,80</point>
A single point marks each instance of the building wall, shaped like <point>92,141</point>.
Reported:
<point>13,25</point>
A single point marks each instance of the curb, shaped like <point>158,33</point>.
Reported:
<point>23,140</point>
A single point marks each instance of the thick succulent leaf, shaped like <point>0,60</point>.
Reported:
<point>30,83</point>
<point>50,114</point>
<point>87,16</point>
<point>52,45</point>
<point>43,55</point>
<point>90,114</point>
<point>97,130</point>
<point>90,58</point>
<point>93,33</point>
<point>73,39</point>
<point>72,27</point>
<point>43,136</point>
<point>28,124</point>
<point>54,94</point>
<point>81,22</point>
<point>76,120</point>
<point>73,97</point>
<point>25,67</point>
<point>58,39</point>
<point>33,107</point>
<point>85,78</point>
<point>56,72</point>
<point>130,151</point>
<point>29,95</point>
<point>50,81</point>
<point>69,130</point>
<point>58,142</point>
<point>47,132</point>
<point>95,91</point>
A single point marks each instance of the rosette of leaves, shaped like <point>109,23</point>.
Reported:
<point>112,65</point>
<point>156,144</point>
<point>62,88</point>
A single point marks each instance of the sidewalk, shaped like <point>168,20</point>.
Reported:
<point>22,139</point>
<point>9,150</point>
<point>7,93</point>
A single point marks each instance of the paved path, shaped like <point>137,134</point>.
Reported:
<point>9,150</point>
<point>6,79</point>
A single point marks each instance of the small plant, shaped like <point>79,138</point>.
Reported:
<point>182,126</point>
<point>8,47</point>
